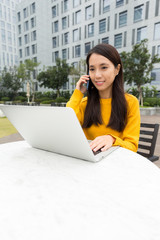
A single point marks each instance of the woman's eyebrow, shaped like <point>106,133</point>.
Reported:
<point>102,64</point>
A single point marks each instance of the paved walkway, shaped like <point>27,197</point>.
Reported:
<point>146,119</point>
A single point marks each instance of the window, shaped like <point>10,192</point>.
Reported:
<point>54,11</point>
<point>56,55</point>
<point>54,42</point>
<point>20,53</point>
<point>75,35</point>
<point>106,5</point>
<point>34,49</point>
<point>9,37</point>
<point>64,54</point>
<point>88,13</point>
<point>91,30</point>
<point>19,41</point>
<point>33,8</point>
<point>26,38</point>
<point>138,13</point>
<point>66,38</point>
<point>158,51</point>
<point>33,22</point>
<point>77,51</point>
<point>25,12</point>
<point>78,17</point>
<point>157,9</point>
<point>156,76</point>
<point>123,19</point>
<point>64,23</point>
<point>19,29</point>
<point>102,26</point>
<point>33,36</point>
<point>87,47</point>
<point>2,24</point>
<point>105,40</point>
<point>141,34</point>
<point>19,16</point>
<point>157,31</point>
<point>118,40</point>
<point>26,26</point>
<point>66,5</point>
<point>76,3</point>
<point>119,3</point>
<point>27,51</point>
<point>56,26</point>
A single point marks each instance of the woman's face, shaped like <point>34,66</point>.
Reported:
<point>102,73</point>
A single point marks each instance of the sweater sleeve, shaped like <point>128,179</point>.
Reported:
<point>75,104</point>
<point>130,136</point>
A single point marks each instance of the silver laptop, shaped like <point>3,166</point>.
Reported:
<point>54,129</point>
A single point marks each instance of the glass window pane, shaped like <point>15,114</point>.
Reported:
<point>119,2</point>
<point>91,30</point>
<point>106,5</point>
<point>75,35</point>
<point>64,23</point>
<point>87,48</point>
<point>105,40</point>
<point>138,13</point>
<point>77,51</point>
<point>88,12</point>
<point>78,17</point>
<point>102,26</point>
<point>123,19</point>
<point>118,41</point>
<point>141,34</point>
<point>157,31</point>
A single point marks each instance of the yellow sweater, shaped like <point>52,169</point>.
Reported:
<point>128,138</point>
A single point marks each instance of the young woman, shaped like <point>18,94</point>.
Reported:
<point>108,116</point>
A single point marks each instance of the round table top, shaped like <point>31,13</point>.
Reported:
<point>44,195</point>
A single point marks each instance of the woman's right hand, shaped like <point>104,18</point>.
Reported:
<point>80,84</point>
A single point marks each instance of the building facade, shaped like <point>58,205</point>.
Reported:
<point>8,33</point>
<point>68,29</point>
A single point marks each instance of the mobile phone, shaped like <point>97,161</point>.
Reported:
<point>88,82</point>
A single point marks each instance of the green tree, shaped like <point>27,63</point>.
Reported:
<point>25,72</point>
<point>10,81</point>
<point>138,65</point>
<point>78,71</point>
<point>30,67</point>
<point>56,76</point>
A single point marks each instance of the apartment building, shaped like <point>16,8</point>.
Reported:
<point>8,35</point>
<point>68,29</point>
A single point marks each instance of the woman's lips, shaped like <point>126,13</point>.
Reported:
<point>99,83</point>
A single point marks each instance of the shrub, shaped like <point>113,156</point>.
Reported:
<point>60,100</point>
<point>153,102</point>
<point>146,104</point>
<point>5,99</point>
<point>47,102</point>
<point>20,98</point>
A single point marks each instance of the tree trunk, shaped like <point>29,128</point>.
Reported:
<point>58,93</point>
<point>33,93</point>
<point>140,96</point>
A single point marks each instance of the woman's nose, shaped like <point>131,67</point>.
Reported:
<point>97,74</point>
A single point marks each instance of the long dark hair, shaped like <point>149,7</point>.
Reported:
<point>119,105</point>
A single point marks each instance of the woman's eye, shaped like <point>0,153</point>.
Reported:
<point>104,67</point>
<point>91,70</point>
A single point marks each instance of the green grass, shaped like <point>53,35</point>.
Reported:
<point>6,128</point>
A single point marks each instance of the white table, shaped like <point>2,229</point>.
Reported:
<point>45,196</point>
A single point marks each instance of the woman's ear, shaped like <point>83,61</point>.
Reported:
<point>118,68</point>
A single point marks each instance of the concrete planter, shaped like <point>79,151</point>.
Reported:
<point>149,111</point>
<point>1,113</point>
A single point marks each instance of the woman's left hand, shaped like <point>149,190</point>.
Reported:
<point>102,142</point>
